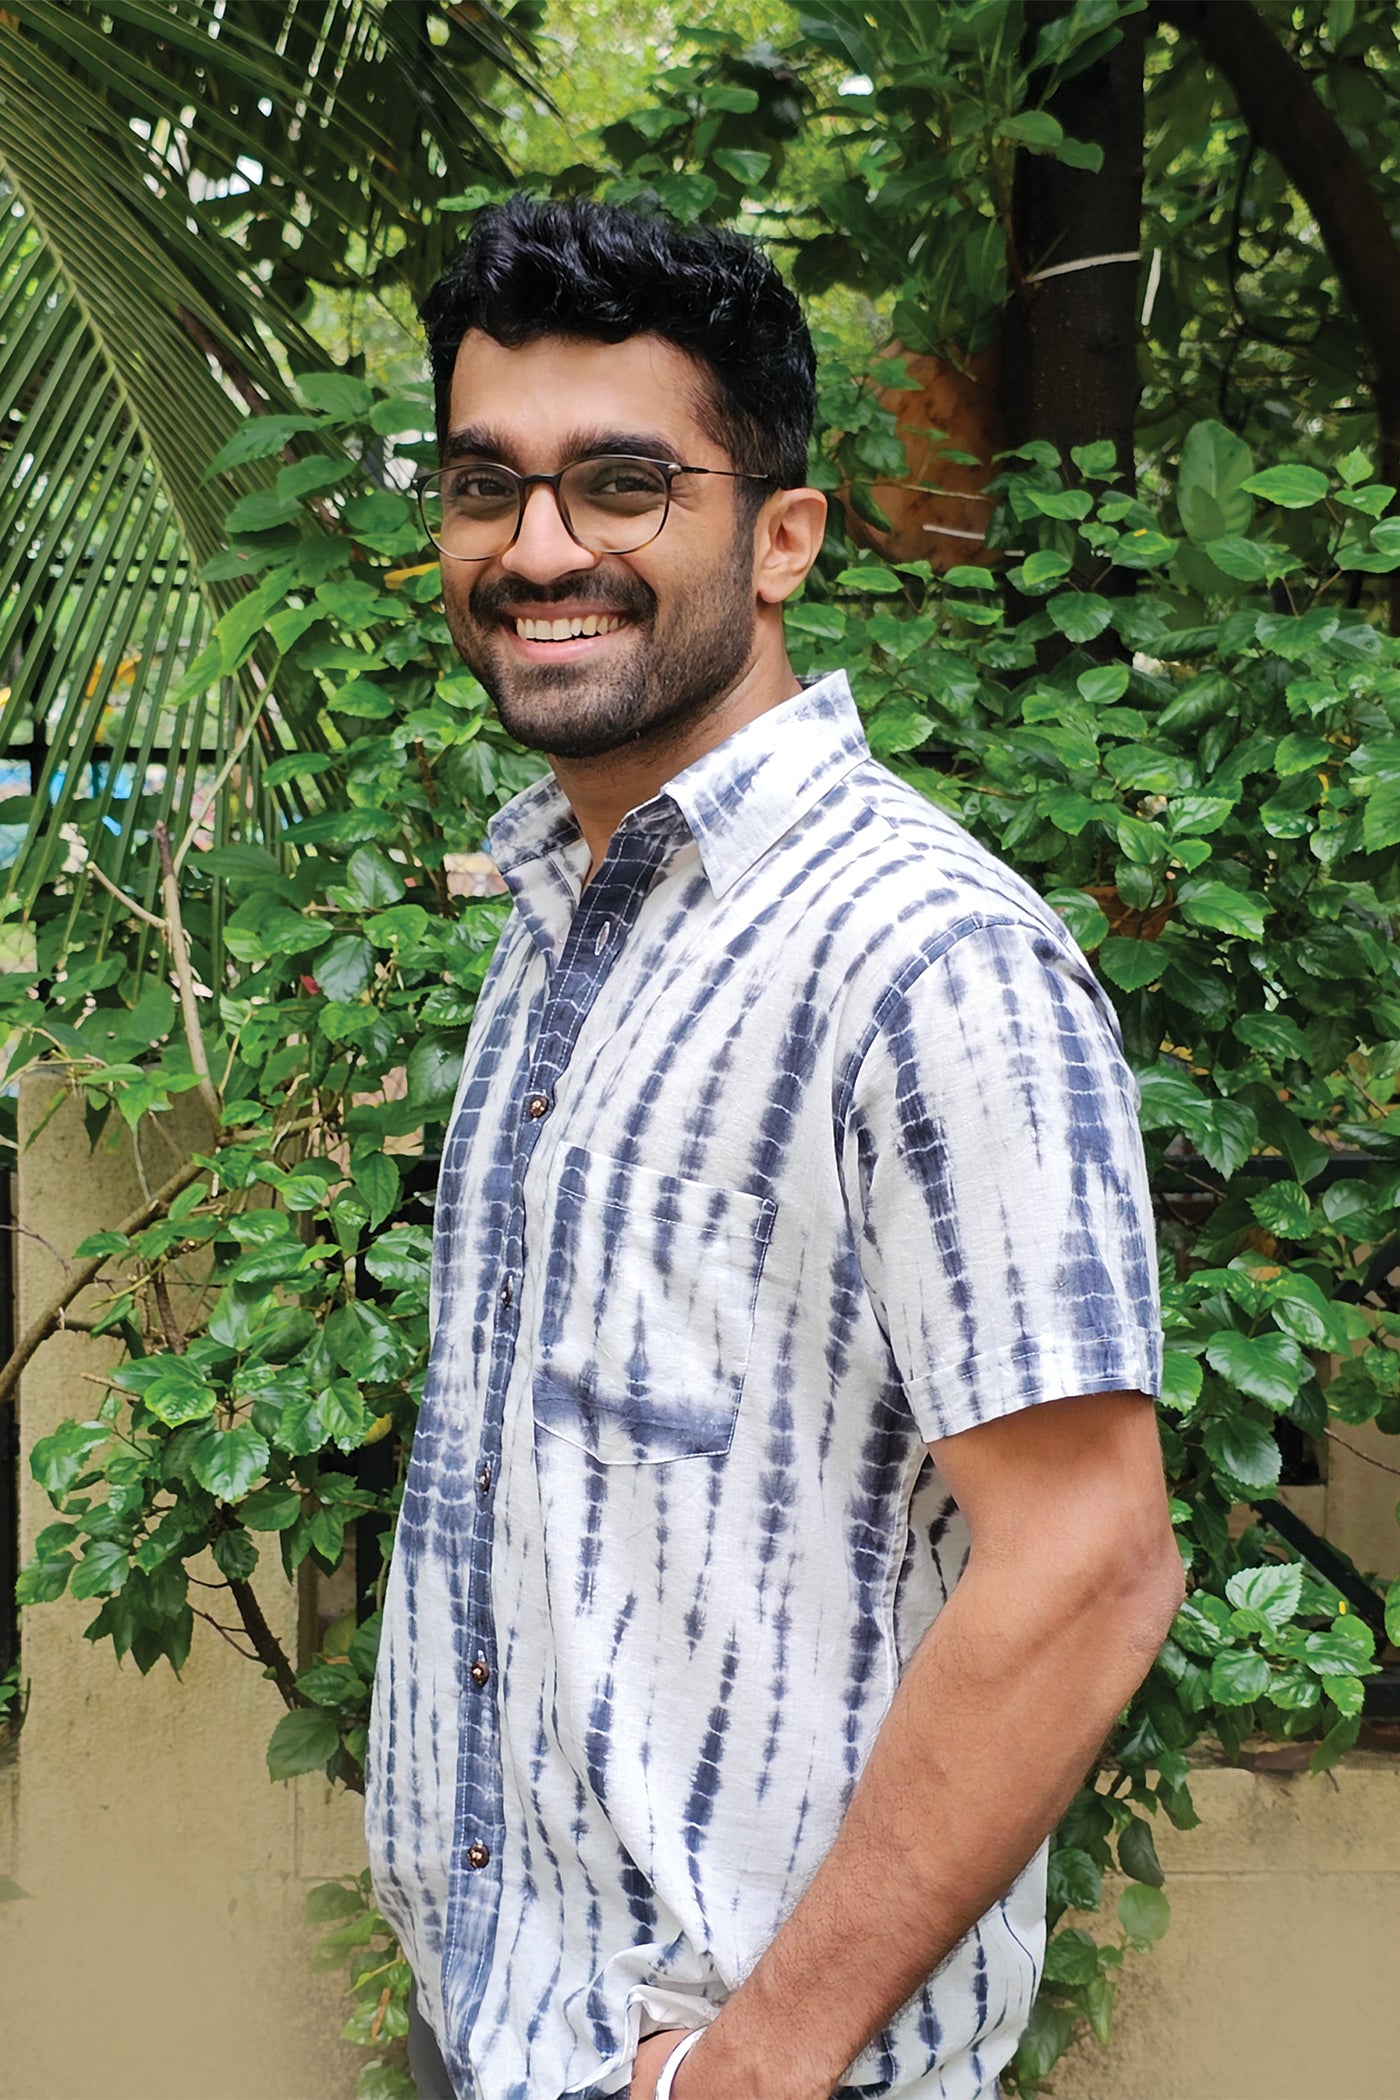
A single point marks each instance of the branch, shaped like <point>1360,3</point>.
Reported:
<point>1287,117</point>
<point>266,1645</point>
<point>86,1272</point>
<point>184,977</point>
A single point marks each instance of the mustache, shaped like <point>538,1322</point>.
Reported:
<point>493,599</point>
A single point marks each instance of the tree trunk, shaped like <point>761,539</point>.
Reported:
<point>1069,350</point>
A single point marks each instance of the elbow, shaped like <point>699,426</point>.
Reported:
<point>1150,1584</point>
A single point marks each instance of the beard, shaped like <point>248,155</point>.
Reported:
<point>672,673</point>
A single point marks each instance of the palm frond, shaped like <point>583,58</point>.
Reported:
<point>174,176</point>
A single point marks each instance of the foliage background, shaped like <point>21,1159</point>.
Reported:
<point>1167,693</point>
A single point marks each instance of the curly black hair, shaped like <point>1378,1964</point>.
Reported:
<point>531,268</point>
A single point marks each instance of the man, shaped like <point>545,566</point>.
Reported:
<point>794,1166</point>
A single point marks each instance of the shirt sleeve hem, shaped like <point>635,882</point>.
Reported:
<point>1028,1373</point>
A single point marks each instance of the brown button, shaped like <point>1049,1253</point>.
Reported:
<point>537,1106</point>
<point>483,1480</point>
<point>506,1294</point>
<point>480,1672</point>
<point>478,1854</point>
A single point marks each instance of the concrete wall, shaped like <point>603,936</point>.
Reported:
<point>1277,1978</point>
<point>164,1954</point>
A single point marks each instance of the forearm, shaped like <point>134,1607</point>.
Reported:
<point>994,1723</point>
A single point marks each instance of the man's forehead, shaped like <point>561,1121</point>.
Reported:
<point>559,385</point>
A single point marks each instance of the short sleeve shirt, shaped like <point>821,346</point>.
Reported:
<point>799,1139</point>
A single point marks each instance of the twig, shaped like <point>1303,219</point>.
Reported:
<point>184,976</point>
<point>169,1326</point>
<point>86,1272</point>
<point>138,911</point>
<point>1364,1456</point>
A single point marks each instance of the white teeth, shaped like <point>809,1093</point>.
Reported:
<point>567,630</point>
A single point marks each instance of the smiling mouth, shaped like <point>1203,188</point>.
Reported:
<point>568,630</point>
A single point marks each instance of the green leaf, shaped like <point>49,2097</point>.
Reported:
<point>102,1569</point>
<point>1104,684</point>
<point>270,1508</point>
<point>345,967</point>
<point>332,1901</point>
<point>1251,561</point>
<point>1137,1854</point>
<point>1274,1591</point>
<point>1079,615</point>
<point>872,576</point>
<point>1223,908</point>
<point>236,1555</point>
<point>1244,1452</point>
<point>1082,915</point>
<point>746,167</point>
<point>1040,571</point>
<point>1144,1913</point>
<point>1276,1035</point>
<point>1284,1209</point>
<point>1292,486</point>
<point>372,879</point>
<point>377,1179</point>
<point>228,1461</point>
<point>1381,820</point>
<point>57,1460</point>
<point>1131,963</point>
<point>1210,493</point>
<point>434,1067</point>
<point>1269,1367</point>
<point>1181,1380</point>
<point>303,1741</point>
<point>1301,754</point>
<point>1335,1744</point>
<point>1071,1957</point>
<point>1392,1614</point>
<point>1238,1677</point>
<point>337,395</point>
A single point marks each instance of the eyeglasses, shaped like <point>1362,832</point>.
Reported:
<point>611,504</point>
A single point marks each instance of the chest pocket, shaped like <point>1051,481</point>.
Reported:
<point>648,1291</point>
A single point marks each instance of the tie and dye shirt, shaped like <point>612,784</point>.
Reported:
<point>797,1140</point>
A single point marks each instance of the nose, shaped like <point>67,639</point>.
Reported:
<point>544,548</point>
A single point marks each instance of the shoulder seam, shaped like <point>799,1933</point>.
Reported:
<point>916,967</point>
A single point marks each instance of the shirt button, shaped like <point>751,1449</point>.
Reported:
<point>480,1672</point>
<point>478,1854</point>
<point>538,1105</point>
<point>483,1480</point>
<point>506,1293</point>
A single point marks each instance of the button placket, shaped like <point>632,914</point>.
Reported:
<point>607,909</point>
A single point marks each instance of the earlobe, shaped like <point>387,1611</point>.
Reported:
<point>789,540</point>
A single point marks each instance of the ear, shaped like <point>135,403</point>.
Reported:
<point>787,540</point>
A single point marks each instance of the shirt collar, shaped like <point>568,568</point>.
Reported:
<point>737,800</point>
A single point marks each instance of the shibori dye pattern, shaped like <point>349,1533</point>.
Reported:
<point>799,1139</point>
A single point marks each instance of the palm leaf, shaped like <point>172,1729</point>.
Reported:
<point>136,334</point>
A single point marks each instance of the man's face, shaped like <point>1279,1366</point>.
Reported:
<point>681,611</point>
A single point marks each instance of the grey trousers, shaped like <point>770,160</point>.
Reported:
<point>425,2058</point>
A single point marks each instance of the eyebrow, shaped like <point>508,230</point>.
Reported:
<point>479,441</point>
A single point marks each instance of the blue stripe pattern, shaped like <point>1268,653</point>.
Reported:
<point>797,1140</point>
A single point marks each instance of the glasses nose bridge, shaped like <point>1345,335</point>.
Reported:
<point>525,484</point>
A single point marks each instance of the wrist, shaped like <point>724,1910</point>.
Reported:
<point>670,2070</point>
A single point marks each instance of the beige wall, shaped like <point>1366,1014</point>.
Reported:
<point>164,1954</point>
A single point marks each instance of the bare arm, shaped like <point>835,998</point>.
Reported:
<point>1071,1584</point>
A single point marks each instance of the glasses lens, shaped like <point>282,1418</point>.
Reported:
<point>470,511</point>
<point>614,505</point>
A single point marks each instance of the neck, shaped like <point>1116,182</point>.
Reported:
<point>602,790</point>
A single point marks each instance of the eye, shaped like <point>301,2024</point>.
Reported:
<point>478,488</point>
<point>618,483</point>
